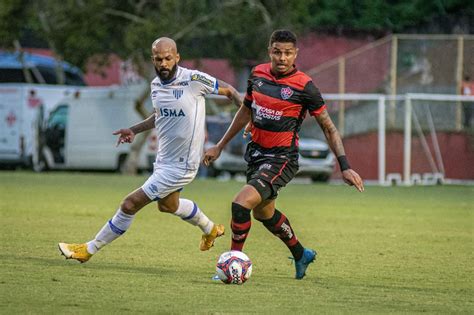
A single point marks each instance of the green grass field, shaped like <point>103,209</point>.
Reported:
<point>392,249</point>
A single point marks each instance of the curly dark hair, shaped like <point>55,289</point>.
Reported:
<point>282,36</point>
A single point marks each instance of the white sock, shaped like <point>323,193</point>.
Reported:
<point>110,231</point>
<point>190,212</point>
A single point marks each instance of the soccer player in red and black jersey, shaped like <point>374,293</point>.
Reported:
<point>278,98</point>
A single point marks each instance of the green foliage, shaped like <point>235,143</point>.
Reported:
<point>13,15</point>
<point>387,250</point>
<point>234,29</point>
<point>370,15</point>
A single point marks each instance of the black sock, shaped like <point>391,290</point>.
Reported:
<point>280,226</point>
<point>240,225</point>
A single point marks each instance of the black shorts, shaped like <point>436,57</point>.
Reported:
<point>269,175</point>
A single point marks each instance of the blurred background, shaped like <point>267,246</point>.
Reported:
<point>397,77</point>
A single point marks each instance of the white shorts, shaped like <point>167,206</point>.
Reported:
<point>165,180</point>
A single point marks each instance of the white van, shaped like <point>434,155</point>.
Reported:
<point>21,107</point>
<point>78,132</point>
<point>64,127</point>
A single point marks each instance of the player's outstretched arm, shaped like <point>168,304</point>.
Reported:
<point>229,91</point>
<point>240,120</point>
<point>335,142</point>
<point>127,135</point>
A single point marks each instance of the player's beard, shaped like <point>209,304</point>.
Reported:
<point>170,75</point>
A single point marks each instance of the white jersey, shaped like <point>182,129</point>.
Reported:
<point>180,117</point>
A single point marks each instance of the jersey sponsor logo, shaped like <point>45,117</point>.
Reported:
<point>286,93</point>
<point>171,112</point>
<point>180,83</point>
<point>178,93</point>
<point>202,79</point>
<point>267,113</point>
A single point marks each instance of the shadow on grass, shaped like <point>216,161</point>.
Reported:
<point>128,267</point>
<point>123,268</point>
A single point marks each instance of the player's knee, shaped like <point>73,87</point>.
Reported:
<point>239,213</point>
<point>128,206</point>
<point>240,200</point>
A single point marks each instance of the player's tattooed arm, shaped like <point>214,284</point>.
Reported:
<point>335,142</point>
<point>127,135</point>
<point>229,91</point>
<point>144,125</point>
<point>331,133</point>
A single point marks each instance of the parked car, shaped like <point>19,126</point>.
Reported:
<point>315,161</point>
<point>42,69</point>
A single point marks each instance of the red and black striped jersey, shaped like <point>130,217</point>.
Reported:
<point>279,106</point>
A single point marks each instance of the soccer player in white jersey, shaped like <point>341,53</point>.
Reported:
<point>179,117</point>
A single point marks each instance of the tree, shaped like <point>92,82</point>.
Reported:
<point>77,30</point>
<point>13,16</point>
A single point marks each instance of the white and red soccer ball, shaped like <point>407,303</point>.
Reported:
<point>234,267</point>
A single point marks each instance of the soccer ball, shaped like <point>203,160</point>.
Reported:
<point>234,267</point>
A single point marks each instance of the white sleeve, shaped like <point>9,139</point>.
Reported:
<point>204,83</point>
<point>154,97</point>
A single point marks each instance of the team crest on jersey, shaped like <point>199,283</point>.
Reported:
<point>202,79</point>
<point>178,93</point>
<point>286,93</point>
